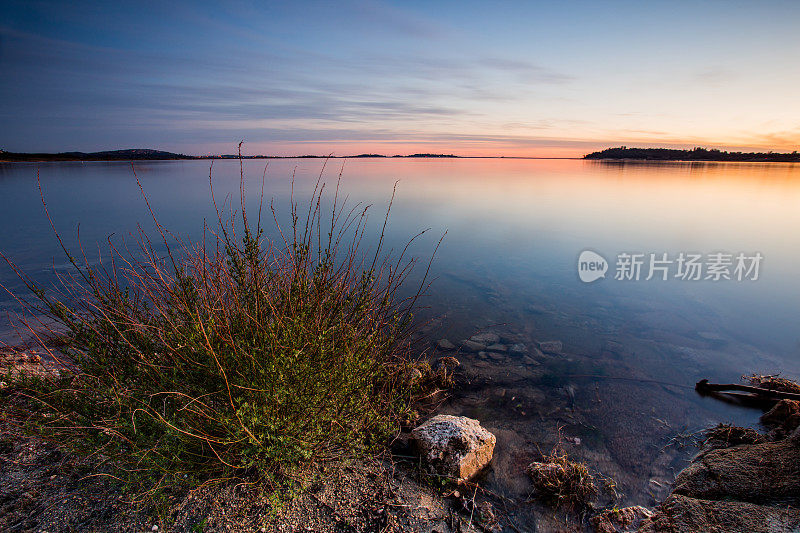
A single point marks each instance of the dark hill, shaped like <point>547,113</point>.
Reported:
<point>133,154</point>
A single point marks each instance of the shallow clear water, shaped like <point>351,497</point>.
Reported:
<point>508,264</point>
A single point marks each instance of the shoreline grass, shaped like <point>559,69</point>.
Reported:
<point>240,357</point>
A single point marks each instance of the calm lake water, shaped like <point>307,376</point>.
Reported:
<point>620,396</point>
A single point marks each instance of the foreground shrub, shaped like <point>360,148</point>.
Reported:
<point>561,481</point>
<point>240,356</point>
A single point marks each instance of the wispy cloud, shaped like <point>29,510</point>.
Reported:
<point>69,81</point>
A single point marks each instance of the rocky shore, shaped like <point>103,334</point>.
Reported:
<point>433,481</point>
<point>741,481</point>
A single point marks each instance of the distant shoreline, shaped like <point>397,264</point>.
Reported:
<point>619,154</point>
<point>157,155</point>
<point>262,157</point>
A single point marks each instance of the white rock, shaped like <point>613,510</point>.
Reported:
<point>454,446</point>
<point>518,348</point>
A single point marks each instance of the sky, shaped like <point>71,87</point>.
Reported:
<point>529,78</point>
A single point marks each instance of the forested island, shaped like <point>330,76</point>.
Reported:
<point>696,154</point>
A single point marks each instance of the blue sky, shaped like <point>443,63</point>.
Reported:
<point>472,78</point>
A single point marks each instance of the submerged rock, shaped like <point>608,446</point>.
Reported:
<point>472,346</point>
<point>446,345</point>
<point>710,336</point>
<point>613,347</point>
<point>684,514</point>
<point>497,347</point>
<point>518,348</point>
<point>454,446</point>
<point>535,309</point>
<point>486,338</point>
<point>551,347</point>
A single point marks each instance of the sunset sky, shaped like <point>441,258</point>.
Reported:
<point>469,78</point>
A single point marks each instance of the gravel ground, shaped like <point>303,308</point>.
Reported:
<point>45,489</point>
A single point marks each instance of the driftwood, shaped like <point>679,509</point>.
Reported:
<point>704,387</point>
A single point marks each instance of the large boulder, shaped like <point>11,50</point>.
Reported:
<point>785,415</point>
<point>683,514</point>
<point>454,446</point>
<point>768,472</point>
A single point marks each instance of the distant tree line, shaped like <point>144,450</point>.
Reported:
<point>696,154</point>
